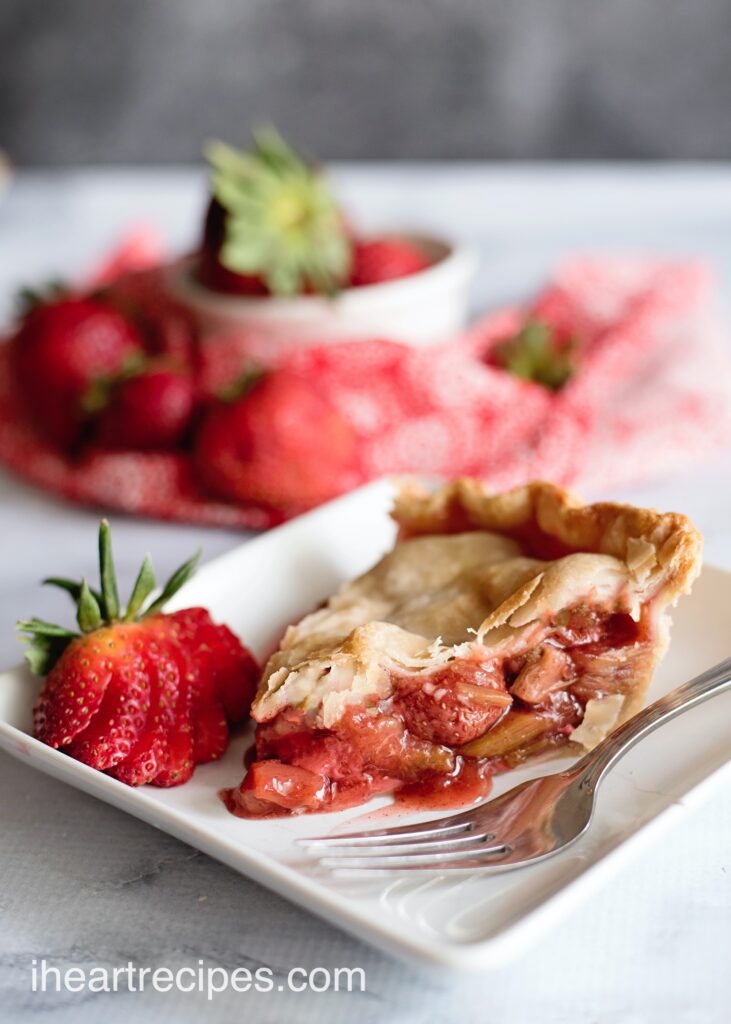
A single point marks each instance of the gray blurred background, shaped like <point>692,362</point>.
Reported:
<point>138,81</point>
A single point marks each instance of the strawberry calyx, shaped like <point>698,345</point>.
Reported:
<point>29,299</point>
<point>98,608</point>
<point>243,384</point>
<point>535,354</point>
<point>283,225</point>
<point>99,393</point>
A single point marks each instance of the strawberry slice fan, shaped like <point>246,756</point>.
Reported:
<point>649,395</point>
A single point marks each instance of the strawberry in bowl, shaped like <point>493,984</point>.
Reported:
<point>136,692</point>
<point>281,266</point>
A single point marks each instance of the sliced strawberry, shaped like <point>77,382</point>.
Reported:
<point>118,724</point>
<point>234,669</point>
<point>150,754</point>
<point>146,761</point>
<point>70,698</point>
<point>191,632</point>
<point>137,693</point>
<point>180,761</point>
<point>237,674</point>
<point>210,732</point>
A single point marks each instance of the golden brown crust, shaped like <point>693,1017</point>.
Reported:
<point>476,571</point>
<point>542,513</point>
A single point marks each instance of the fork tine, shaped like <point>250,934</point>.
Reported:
<point>435,860</point>
<point>403,846</point>
<point>435,829</point>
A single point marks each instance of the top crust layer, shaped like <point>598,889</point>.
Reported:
<point>474,570</point>
<point>665,547</point>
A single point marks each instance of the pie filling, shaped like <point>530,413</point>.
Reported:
<point>440,735</point>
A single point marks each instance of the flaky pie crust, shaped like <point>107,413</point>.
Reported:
<point>565,549</point>
<point>632,535</point>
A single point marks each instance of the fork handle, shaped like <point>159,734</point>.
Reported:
<point>605,755</point>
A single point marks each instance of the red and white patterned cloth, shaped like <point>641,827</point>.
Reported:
<point>653,395</point>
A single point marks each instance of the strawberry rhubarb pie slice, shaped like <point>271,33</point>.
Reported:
<point>500,627</point>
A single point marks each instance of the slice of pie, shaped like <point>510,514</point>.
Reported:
<point>500,627</point>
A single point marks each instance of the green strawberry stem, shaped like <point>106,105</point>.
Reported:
<point>72,587</point>
<point>533,354</point>
<point>242,385</point>
<point>95,609</point>
<point>89,613</point>
<point>282,223</point>
<point>29,299</point>
<point>106,572</point>
<point>144,585</point>
<point>173,585</point>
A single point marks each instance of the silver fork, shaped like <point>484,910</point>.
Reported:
<point>531,822</point>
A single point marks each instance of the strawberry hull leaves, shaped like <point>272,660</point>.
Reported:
<point>281,225</point>
<point>535,354</point>
<point>136,692</point>
<point>97,608</point>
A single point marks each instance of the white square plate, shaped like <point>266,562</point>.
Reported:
<point>459,923</point>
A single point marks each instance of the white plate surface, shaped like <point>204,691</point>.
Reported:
<point>459,923</point>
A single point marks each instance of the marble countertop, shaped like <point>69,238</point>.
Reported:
<point>82,884</point>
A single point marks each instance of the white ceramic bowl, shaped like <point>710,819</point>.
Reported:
<point>421,309</point>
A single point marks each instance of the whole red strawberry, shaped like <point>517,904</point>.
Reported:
<point>211,271</point>
<point>283,446</point>
<point>167,326</point>
<point>60,352</point>
<point>385,259</point>
<point>151,409</point>
<point>140,694</point>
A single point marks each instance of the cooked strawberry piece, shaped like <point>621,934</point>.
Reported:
<point>470,782</point>
<point>365,755</point>
<point>323,753</point>
<point>454,704</point>
<point>271,787</point>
